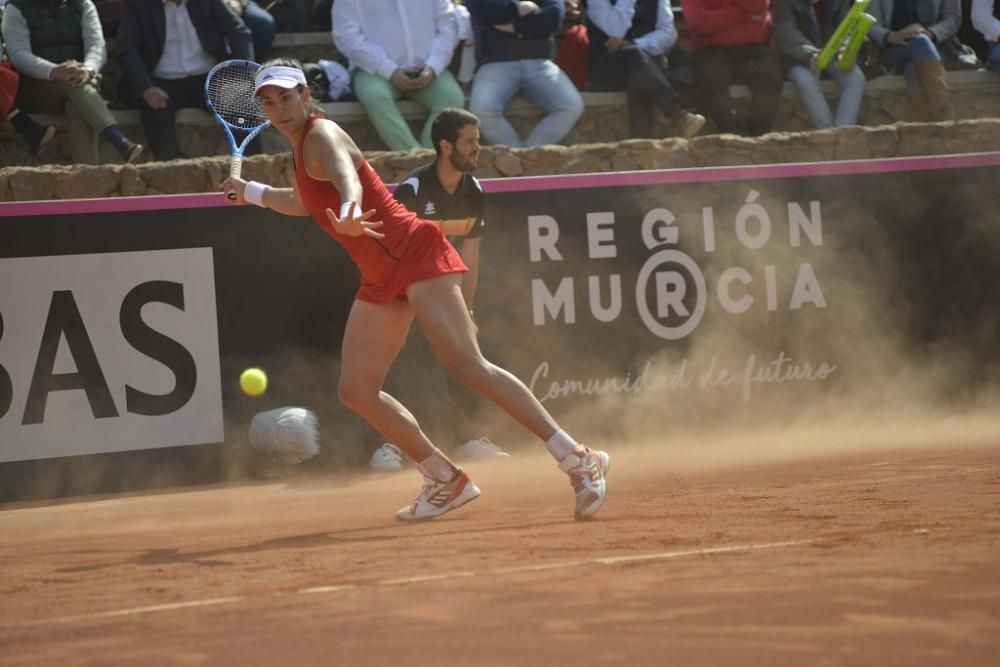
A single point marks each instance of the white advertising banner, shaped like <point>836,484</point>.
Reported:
<point>108,352</point>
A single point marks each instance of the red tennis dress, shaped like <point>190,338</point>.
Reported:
<point>412,249</point>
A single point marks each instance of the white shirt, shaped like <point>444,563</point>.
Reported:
<point>380,36</point>
<point>616,20</point>
<point>183,54</point>
<point>984,21</point>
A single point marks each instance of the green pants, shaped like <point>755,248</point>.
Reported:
<point>379,99</point>
<point>86,111</point>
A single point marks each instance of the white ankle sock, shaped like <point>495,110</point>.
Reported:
<point>437,467</point>
<point>562,445</point>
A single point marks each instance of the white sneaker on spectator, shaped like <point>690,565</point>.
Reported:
<point>386,458</point>
<point>480,448</point>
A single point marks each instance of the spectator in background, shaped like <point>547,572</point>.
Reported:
<point>732,38</point>
<point>514,48</point>
<point>262,26</point>
<point>986,19</point>
<point>628,39</point>
<point>466,46</point>
<point>58,48</point>
<point>397,49</point>
<point>910,34</point>
<point>574,45</point>
<point>446,192</point>
<point>165,49</point>
<point>37,136</point>
<point>799,40</point>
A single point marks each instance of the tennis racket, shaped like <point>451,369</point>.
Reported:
<point>229,92</point>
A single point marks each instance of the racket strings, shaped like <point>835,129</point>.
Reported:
<point>230,93</point>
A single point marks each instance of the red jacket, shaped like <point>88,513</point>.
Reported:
<point>727,22</point>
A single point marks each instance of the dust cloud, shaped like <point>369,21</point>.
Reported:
<point>886,360</point>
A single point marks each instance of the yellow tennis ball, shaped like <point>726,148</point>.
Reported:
<point>253,381</point>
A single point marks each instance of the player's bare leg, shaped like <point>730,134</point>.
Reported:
<point>373,337</point>
<point>441,312</point>
<point>440,309</point>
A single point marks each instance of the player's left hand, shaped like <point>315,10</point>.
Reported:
<point>234,187</point>
<point>354,225</point>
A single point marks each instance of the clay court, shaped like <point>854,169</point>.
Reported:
<point>859,545</point>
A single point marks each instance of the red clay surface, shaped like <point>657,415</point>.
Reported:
<point>863,555</point>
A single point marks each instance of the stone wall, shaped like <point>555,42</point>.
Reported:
<point>204,174</point>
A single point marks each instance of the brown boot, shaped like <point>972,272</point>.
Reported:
<point>935,81</point>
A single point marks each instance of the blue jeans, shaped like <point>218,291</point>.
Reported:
<point>852,88</point>
<point>262,29</point>
<point>904,58</point>
<point>539,80</point>
<point>993,56</point>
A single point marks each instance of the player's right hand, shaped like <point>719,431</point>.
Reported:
<point>234,187</point>
<point>354,225</point>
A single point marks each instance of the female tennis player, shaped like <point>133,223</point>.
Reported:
<point>408,269</point>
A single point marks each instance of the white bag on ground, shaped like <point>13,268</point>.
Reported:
<point>289,433</point>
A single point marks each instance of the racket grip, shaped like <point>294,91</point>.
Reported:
<point>235,169</point>
<point>236,166</point>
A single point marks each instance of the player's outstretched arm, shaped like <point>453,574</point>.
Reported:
<point>282,200</point>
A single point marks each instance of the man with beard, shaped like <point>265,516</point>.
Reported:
<point>446,192</point>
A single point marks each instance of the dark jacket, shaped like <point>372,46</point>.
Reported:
<point>942,17</point>
<point>532,37</point>
<point>55,28</point>
<point>796,32</point>
<point>643,23</point>
<point>142,32</point>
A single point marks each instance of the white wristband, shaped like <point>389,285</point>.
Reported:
<point>345,209</point>
<point>254,192</point>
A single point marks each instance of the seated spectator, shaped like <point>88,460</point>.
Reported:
<point>262,26</point>
<point>57,46</point>
<point>574,46</point>
<point>514,52</point>
<point>466,46</point>
<point>627,39</point>
<point>733,38</point>
<point>910,34</point>
<point>165,49</point>
<point>398,50</point>
<point>37,136</point>
<point>986,19</point>
<point>798,38</point>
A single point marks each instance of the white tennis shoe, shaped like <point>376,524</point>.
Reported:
<point>436,498</point>
<point>586,474</point>
<point>480,448</point>
<point>386,458</point>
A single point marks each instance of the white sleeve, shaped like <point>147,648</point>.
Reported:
<point>18,40</point>
<point>663,38</point>
<point>615,20</point>
<point>984,21</point>
<point>463,24</point>
<point>350,40</point>
<point>95,54</point>
<point>445,37</point>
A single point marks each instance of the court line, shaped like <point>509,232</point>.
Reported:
<point>443,576</point>
<point>152,609</point>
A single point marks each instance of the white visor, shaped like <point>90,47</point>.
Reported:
<point>278,75</point>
